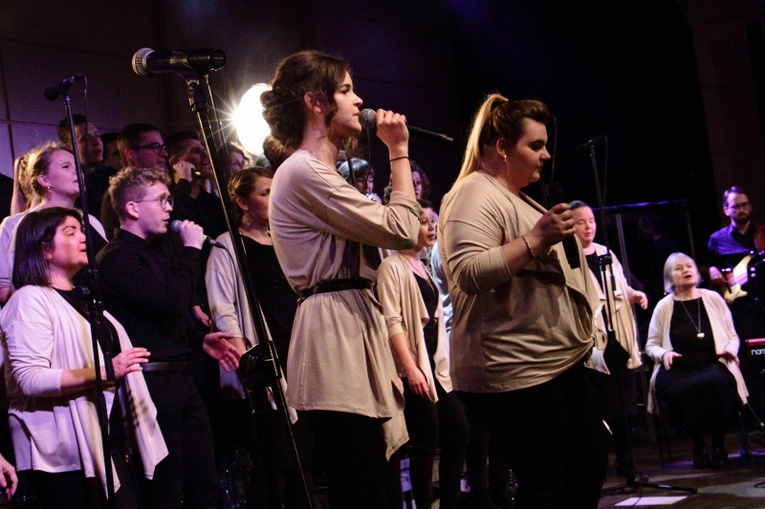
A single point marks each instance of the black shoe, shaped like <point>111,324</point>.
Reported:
<point>701,459</point>
<point>719,457</point>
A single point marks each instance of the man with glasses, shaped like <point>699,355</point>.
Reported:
<point>150,291</point>
<point>731,249</point>
<point>141,146</point>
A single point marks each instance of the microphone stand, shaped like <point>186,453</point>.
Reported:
<point>607,277</point>
<point>92,290</point>
<point>259,369</point>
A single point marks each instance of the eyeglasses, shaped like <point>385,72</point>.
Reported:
<point>156,147</point>
<point>739,206</point>
<point>162,200</point>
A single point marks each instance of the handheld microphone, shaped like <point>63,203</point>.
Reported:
<point>554,196</point>
<point>52,92</point>
<point>368,120</point>
<point>188,63</point>
<point>586,146</point>
<point>175,227</point>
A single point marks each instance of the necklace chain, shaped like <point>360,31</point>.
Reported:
<point>699,334</point>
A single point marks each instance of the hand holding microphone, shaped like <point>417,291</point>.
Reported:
<point>369,118</point>
<point>192,234</point>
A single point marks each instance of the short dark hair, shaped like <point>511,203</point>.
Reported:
<point>129,184</point>
<point>130,134</point>
<point>175,142</point>
<point>109,137</point>
<point>578,204</point>
<point>34,235</point>
<point>63,127</point>
<point>733,190</point>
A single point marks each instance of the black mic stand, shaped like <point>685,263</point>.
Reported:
<point>636,480</point>
<point>92,290</point>
<point>259,369</point>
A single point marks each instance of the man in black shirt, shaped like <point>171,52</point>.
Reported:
<point>150,290</point>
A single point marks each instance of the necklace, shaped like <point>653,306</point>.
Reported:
<point>699,334</point>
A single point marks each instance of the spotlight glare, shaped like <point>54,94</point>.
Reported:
<point>251,127</point>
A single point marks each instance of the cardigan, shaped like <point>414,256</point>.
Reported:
<point>509,331</point>
<point>623,318</point>
<point>324,229</point>
<point>42,334</point>
<point>724,333</point>
<point>405,312</point>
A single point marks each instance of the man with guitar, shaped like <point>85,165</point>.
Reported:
<point>732,251</point>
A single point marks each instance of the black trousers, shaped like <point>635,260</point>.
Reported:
<point>552,438</point>
<point>187,475</point>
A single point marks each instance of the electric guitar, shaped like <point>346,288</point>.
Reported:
<point>735,278</point>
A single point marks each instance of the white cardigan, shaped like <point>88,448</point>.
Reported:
<point>725,337</point>
<point>42,334</point>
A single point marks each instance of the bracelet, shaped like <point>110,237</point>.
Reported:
<point>533,255</point>
<point>399,157</point>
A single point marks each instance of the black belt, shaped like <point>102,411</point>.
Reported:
<point>174,367</point>
<point>335,285</point>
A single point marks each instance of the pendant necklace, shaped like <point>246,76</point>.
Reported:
<point>699,334</point>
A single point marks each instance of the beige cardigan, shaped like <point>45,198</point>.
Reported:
<point>405,312</point>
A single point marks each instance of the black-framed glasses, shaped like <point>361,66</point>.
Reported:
<point>739,206</point>
<point>156,147</point>
<point>162,200</point>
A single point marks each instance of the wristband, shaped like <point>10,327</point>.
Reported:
<point>399,157</point>
<point>528,246</point>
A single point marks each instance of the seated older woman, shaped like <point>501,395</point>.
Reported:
<point>696,382</point>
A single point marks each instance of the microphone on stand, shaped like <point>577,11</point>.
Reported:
<point>175,227</point>
<point>586,146</point>
<point>188,63</point>
<point>52,92</point>
<point>368,120</point>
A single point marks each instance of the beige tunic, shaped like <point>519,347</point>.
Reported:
<point>510,331</point>
<point>339,357</point>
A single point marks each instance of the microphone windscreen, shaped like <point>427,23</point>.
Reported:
<point>175,226</point>
<point>139,61</point>
<point>367,118</point>
<point>51,92</point>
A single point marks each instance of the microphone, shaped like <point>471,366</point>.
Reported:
<point>368,120</point>
<point>554,193</point>
<point>586,146</point>
<point>52,92</point>
<point>175,227</point>
<point>188,63</point>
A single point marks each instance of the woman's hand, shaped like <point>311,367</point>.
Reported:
<point>639,298</point>
<point>129,360</point>
<point>8,478</point>
<point>418,384</point>
<point>668,357</point>
<point>728,356</point>
<point>218,346</point>
<point>553,227</point>
<point>391,129</point>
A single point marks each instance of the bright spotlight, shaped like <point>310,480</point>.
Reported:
<point>251,127</point>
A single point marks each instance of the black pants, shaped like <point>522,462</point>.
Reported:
<point>354,450</point>
<point>429,425</point>
<point>551,436</point>
<point>187,475</point>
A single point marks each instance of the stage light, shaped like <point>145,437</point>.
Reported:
<point>251,127</point>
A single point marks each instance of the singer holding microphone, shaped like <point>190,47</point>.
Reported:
<point>340,368</point>
<point>149,288</point>
<point>523,317</point>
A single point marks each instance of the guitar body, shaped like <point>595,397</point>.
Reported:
<point>735,279</point>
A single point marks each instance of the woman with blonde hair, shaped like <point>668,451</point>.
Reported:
<point>523,317</point>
